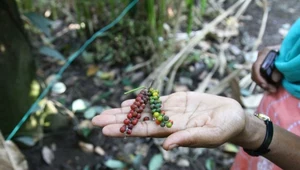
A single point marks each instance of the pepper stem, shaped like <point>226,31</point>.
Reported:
<point>133,90</point>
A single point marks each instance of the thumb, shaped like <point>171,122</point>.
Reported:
<point>196,137</point>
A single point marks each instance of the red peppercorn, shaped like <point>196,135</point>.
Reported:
<point>130,126</point>
<point>123,129</point>
<point>137,103</point>
<point>139,110</point>
<point>129,115</point>
<point>134,121</point>
<point>133,107</point>
<point>139,116</point>
<point>134,114</point>
<point>126,121</point>
<point>157,122</point>
<point>142,92</point>
<point>129,131</point>
<point>138,99</point>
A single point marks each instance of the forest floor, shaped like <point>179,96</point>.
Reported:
<point>69,155</point>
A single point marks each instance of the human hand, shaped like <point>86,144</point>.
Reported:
<point>200,120</point>
<point>256,75</point>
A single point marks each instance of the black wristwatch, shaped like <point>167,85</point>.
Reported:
<point>264,147</point>
<point>268,66</point>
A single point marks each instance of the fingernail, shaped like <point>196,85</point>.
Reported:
<point>173,146</point>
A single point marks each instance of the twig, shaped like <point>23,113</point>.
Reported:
<point>216,7</point>
<point>172,76</point>
<point>262,27</point>
<point>69,112</point>
<point>222,58</point>
<point>133,90</point>
<point>240,12</point>
<point>138,66</point>
<point>161,72</point>
<point>224,83</point>
<point>177,19</point>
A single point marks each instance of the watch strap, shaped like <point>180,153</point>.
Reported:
<point>264,147</point>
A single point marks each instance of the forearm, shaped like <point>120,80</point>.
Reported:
<point>284,148</point>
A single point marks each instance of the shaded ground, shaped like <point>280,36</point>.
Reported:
<point>69,156</point>
<point>281,12</point>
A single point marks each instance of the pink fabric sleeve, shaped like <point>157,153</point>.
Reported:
<point>284,111</point>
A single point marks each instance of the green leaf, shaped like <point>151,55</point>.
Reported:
<point>126,81</point>
<point>203,6</point>
<point>86,167</point>
<point>88,57</point>
<point>138,159</point>
<point>85,132</point>
<point>156,162</point>
<point>114,164</point>
<point>109,57</point>
<point>210,164</point>
<point>128,67</point>
<point>26,140</point>
<point>40,22</point>
<point>109,83</point>
<point>92,111</point>
<point>189,4</point>
<point>51,53</point>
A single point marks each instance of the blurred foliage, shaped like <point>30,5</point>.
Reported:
<point>143,33</point>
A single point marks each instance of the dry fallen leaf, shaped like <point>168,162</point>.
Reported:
<point>47,155</point>
<point>231,148</point>
<point>99,151</point>
<point>92,70</point>
<point>11,157</point>
<point>183,162</point>
<point>86,147</point>
<point>252,101</point>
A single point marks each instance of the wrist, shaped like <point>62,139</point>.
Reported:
<point>253,134</point>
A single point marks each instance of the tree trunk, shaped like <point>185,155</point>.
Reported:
<point>16,67</point>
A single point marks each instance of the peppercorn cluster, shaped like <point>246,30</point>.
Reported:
<point>148,95</point>
<point>135,112</point>
<point>155,106</point>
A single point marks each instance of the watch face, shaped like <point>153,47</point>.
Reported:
<point>267,67</point>
<point>269,60</point>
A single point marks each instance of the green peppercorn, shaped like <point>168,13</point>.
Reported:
<point>156,114</point>
<point>169,124</point>
<point>160,118</point>
<point>166,118</point>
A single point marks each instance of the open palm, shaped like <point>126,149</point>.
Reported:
<point>200,120</point>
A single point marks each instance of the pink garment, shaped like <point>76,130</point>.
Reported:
<point>284,111</point>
